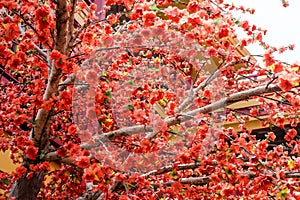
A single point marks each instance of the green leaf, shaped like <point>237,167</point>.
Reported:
<point>228,171</point>
<point>130,107</point>
<point>42,154</point>
<point>155,8</point>
<point>217,21</point>
<point>237,21</point>
<point>282,194</point>
<point>130,82</point>
<point>154,69</point>
<point>173,174</point>
<point>33,122</point>
<point>129,185</point>
<point>60,61</point>
<point>5,181</point>
<point>108,93</point>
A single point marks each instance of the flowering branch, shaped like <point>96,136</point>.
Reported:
<point>182,118</point>
<point>41,132</point>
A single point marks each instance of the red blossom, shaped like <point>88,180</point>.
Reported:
<point>271,136</point>
<point>10,4</point>
<point>139,115</point>
<point>211,51</point>
<point>258,37</point>
<point>14,62</point>
<point>29,175</point>
<point>149,17</point>
<point>91,76</point>
<point>61,152</point>
<point>295,102</point>
<point>83,162</point>
<point>91,114</point>
<point>108,40</point>
<point>88,176</point>
<point>254,112</point>
<point>45,166</point>
<point>269,59</point>
<point>72,129</point>
<point>285,85</point>
<point>177,186</point>
<point>120,177</point>
<point>262,146</point>
<point>129,4</point>
<point>285,3</point>
<point>55,55</point>
<point>41,13</point>
<point>290,134</point>
<point>224,32</point>
<point>82,5</point>
<point>173,13</point>
<point>278,67</point>
<point>207,94</point>
<point>193,6</point>
<point>93,7</point>
<point>12,31</point>
<point>20,171</point>
<point>31,152</point>
<point>85,136</point>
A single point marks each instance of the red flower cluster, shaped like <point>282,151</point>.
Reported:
<point>83,161</point>
<point>61,62</point>
<point>41,16</point>
<point>290,135</point>
<point>31,152</point>
<point>285,85</point>
<point>12,31</point>
<point>148,18</point>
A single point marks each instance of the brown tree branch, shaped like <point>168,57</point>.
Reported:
<point>191,180</point>
<point>70,80</point>
<point>90,195</point>
<point>201,86</point>
<point>74,36</point>
<point>54,77</point>
<point>169,168</point>
<point>186,116</point>
<point>71,20</point>
<point>177,120</point>
<point>40,133</point>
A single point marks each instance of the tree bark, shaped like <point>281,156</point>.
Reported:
<point>27,189</point>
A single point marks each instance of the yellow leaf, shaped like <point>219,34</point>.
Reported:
<point>272,67</point>
<point>291,164</point>
<point>296,83</point>
<point>162,102</point>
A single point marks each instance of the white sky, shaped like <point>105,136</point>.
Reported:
<point>282,24</point>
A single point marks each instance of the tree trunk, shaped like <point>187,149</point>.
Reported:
<point>27,189</point>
